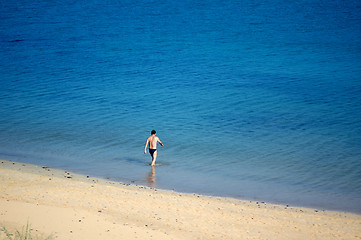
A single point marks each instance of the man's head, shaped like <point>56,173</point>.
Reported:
<point>153,132</point>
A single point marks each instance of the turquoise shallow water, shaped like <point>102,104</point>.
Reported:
<point>253,100</point>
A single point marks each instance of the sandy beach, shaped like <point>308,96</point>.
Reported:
<point>71,206</point>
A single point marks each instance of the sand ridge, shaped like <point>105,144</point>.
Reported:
<point>73,206</point>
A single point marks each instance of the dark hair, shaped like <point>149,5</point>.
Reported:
<point>153,132</point>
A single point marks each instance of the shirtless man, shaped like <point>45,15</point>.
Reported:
<point>152,140</point>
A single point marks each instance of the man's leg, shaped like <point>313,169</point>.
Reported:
<point>154,158</point>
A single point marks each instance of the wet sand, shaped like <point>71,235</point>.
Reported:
<point>72,206</point>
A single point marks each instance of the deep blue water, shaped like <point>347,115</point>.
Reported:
<point>252,99</point>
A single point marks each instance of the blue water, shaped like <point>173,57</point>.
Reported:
<point>252,99</point>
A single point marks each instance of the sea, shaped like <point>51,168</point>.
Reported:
<point>254,100</point>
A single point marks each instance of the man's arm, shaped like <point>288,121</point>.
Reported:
<point>145,147</point>
<point>160,142</point>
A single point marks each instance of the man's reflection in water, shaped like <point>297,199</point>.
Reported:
<point>151,178</point>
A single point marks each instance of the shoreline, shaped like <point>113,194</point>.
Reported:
<point>185,181</point>
<point>75,206</point>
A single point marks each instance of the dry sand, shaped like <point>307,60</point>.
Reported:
<point>71,206</point>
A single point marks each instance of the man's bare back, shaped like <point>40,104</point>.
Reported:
<point>152,141</point>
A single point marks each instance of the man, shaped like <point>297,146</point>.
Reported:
<point>152,141</point>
